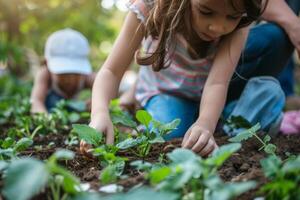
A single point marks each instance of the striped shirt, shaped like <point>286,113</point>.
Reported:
<point>184,77</point>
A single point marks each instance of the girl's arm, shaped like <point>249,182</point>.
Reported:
<point>39,91</point>
<point>200,136</point>
<point>107,81</point>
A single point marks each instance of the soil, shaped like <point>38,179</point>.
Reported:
<point>243,165</point>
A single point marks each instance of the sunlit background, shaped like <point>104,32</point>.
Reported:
<point>26,24</point>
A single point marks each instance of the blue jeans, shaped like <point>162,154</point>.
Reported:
<point>262,101</point>
<point>267,50</point>
<point>52,99</point>
<point>286,77</point>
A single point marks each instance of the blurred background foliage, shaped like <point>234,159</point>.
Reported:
<point>26,24</point>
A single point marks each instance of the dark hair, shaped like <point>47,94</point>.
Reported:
<point>169,17</point>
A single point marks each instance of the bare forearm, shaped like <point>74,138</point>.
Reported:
<point>212,104</point>
<point>279,12</point>
<point>104,90</point>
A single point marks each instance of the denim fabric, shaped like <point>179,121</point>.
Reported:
<point>287,79</point>
<point>267,51</point>
<point>261,101</point>
<point>52,99</point>
<point>166,108</point>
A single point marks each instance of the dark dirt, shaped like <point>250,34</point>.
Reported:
<point>243,165</point>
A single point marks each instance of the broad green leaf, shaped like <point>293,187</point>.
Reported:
<point>109,175</point>
<point>23,144</point>
<point>245,134</point>
<point>87,196</point>
<point>63,154</point>
<point>270,149</point>
<point>157,139</point>
<point>70,182</point>
<point>271,165</point>
<point>181,155</point>
<point>123,119</point>
<point>3,165</point>
<point>158,175</point>
<point>88,134</point>
<point>165,128</point>
<point>292,166</point>
<point>131,142</point>
<point>144,194</point>
<point>7,143</point>
<point>141,165</point>
<point>143,117</point>
<point>24,179</point>
<point>221,154</point>
<point>225,191</point>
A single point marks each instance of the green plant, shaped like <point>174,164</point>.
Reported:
<point>268,147</point>
<point>29,176</point>
<point>10,148</point>
<point>197,178</point>
<point>284,178</point>
<point>153,133</point>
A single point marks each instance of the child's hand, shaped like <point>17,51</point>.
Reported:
<point>36,108</point>
<point>103,124</point>
<point>199,140</point>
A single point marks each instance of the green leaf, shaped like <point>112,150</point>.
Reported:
<point>123,119</point>
<point>23,144</point>
<point>158,175</point>
<point>221,154</point>
<point>292,166</point>
<point>270,149</point>
<point>109,175</point>
<point>145,194</point>
<point>141,165</point>
<point>143,117</point>
<point>271,165</point>
<point>7,143</point>
<point>165,128</point>
<point>267,139</point>
<point>70,182</point>
<point>88,134</point>
<point>181,155</point>
<point>131,142</point>
<point>63,154</point>
<point>24,179</point>
<point>245,134</point>
<point>157,139</point>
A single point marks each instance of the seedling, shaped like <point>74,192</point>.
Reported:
<point>268,147</point>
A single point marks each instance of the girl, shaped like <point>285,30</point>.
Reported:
<point>189,51</point>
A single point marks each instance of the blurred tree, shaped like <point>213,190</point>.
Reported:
<point>27,24</point>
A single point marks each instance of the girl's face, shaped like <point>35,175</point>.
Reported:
<point>212,19</point>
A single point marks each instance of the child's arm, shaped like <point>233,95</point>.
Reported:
<point>39,91</point>
<point>108,79</point>
<point>199,137</point>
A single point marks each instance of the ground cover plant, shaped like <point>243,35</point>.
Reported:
<point>40,158</point>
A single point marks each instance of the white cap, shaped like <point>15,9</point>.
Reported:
<point>67,51</point>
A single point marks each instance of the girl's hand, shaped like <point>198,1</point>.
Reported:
<point>38,108</point>
<point>103,124</point>
<point>200,140</point>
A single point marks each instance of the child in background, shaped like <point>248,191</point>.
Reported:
<point>193,48</point>
<point>67,70</point>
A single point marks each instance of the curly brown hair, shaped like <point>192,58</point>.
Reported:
<point>170,17</point>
